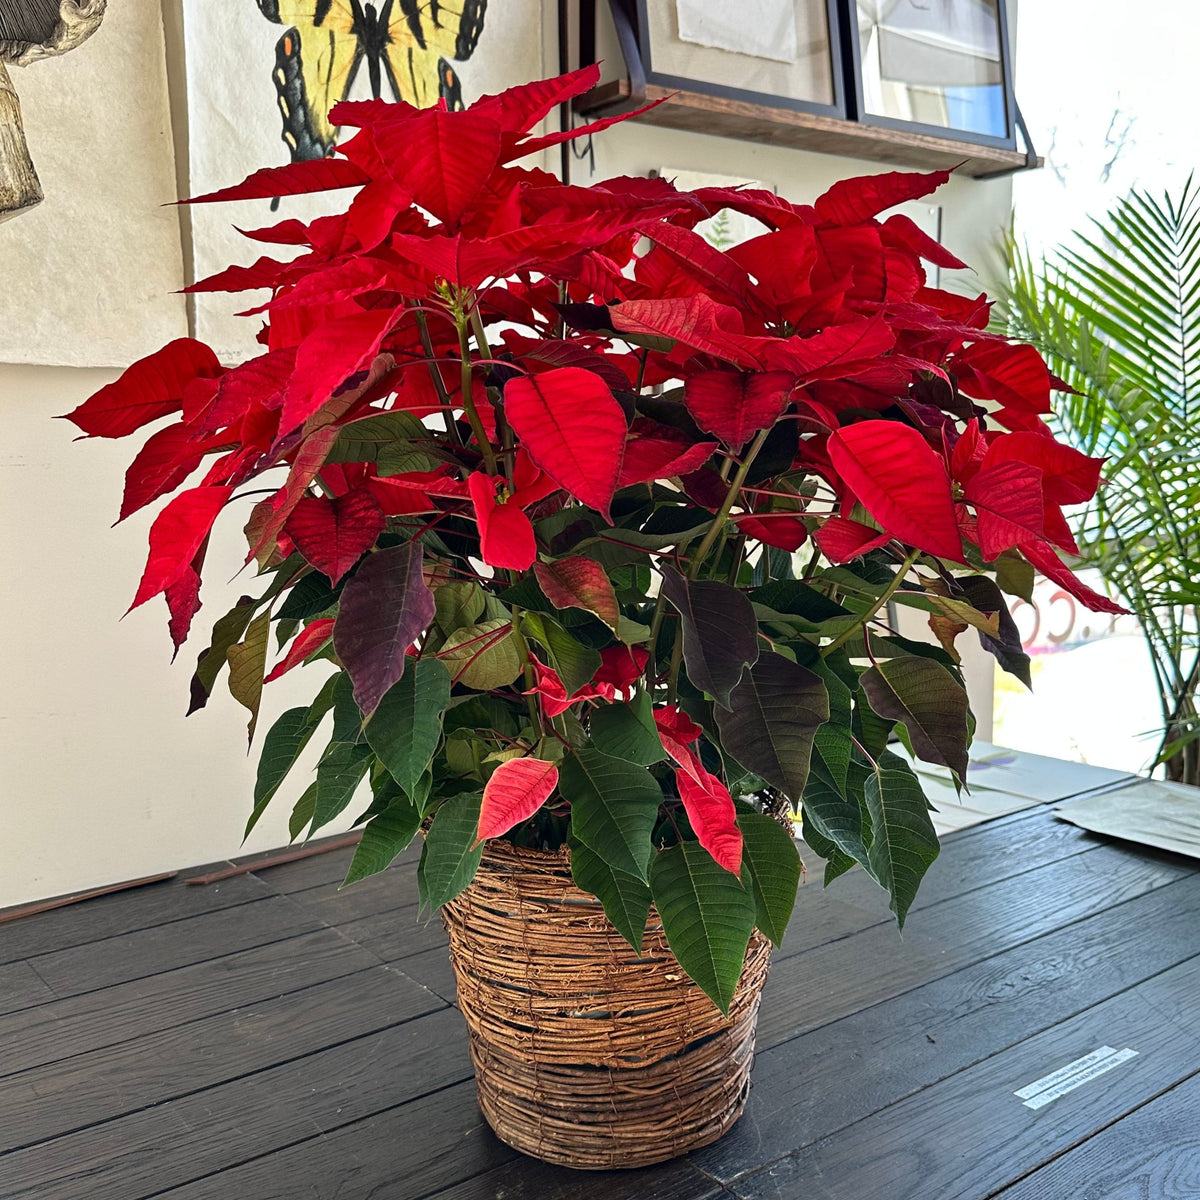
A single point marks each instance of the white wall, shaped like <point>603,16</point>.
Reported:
<point>101,778</point>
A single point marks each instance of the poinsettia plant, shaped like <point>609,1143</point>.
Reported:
<point>601,528</point>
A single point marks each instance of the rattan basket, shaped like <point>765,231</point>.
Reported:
<point>586,1055</point>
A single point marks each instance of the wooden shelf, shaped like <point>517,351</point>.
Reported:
<point>700,113</point>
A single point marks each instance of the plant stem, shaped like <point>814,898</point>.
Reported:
<point>435,374</point>
<point>676,663</point>
<point>485,445</point>
<point>656,621</point>
<point>739,551</point>
<point>535,717</point>
<point>718,525</point>
<point>843,638</point>
<point>480,336</point>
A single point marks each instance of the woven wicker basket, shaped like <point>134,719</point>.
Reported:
<point>586,1055</point>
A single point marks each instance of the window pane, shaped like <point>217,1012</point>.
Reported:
<point>934,62</point>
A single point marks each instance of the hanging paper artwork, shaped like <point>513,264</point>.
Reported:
<point>90,257</point>
<point>263,75</point>
<point>405,49</point>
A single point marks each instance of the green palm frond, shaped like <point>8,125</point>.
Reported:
<point>1117,315</point>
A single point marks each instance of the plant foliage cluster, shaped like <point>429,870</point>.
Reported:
<point>598,524</point>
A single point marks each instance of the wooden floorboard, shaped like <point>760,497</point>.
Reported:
<point>122,912</point>
<point>21,987</point>
<point>1153,1153</point>
<point>277,1037</point>
<point>139,1155</point>
<point>418,1148</point>
<point>808,990</point>
<point>51,1032</point>
<point>386,892</point>
<point>85,1089</point>
<point>146,952</point>
<point>811,1087</point>
<point>967,1136</point>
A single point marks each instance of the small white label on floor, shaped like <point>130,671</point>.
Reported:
<point>1039,1093</point>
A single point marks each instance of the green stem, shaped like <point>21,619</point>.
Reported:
<point>843,638</point>
<point>739,552</point>
<point>435,374</point>
<point>676,663</point>
<point>480,337</point>
<point>485,445</point>
<point>535,718</point>
<point>660,605</point>
<point>718,525</point>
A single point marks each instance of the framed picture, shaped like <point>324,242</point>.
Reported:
<point>940,67</point>
<point>777,53</point>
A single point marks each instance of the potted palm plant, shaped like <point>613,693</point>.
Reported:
<point>598,527</point>
<point>1117,315</point>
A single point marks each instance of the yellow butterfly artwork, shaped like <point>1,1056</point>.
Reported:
<point>409,43</point>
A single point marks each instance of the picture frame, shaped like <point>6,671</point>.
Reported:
<point>700,57</point>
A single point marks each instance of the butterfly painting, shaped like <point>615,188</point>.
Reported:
<point>408,43</point>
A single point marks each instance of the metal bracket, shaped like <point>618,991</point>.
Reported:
<point>630,51</point>
<point>1031,157</point>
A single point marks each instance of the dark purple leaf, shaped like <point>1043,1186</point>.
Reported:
<point>384,608</point>
<point>929,701</point>
<point>774,714</point>
<point>720,633</point>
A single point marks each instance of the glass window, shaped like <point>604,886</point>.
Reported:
<point>934,62</point>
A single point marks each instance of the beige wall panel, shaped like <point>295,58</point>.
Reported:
<point>101,778</point>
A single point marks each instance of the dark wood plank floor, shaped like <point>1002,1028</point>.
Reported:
<point>274,1038</point>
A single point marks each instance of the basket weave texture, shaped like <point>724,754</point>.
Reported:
<point>586,1055</point>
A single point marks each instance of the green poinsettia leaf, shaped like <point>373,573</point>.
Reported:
<point>450,857</point>
<point>872,730</point>
<point>774,714</point>
<point>930,702</point>
<point>836,862</point>
<point>283,744</point>
<point>227,631</point>
<point>302,811</point>
<point>364,440</point>
<point>458,603</point>
<point>626,729</point>
<point>385,835</point>
<point>720,633</point>
<point>483,656</point>
<point>574,662</point>
<point>903,840</point>
<point>407,726</point>
<point>309,597</point>
<point>340,771</point>
<point>248,665</point>
<point>626,899</point>
<point>773,864</point>
<point>707,915</point>
<point>832,750</point>
<point>614,807</point>
<point>835,810</point>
